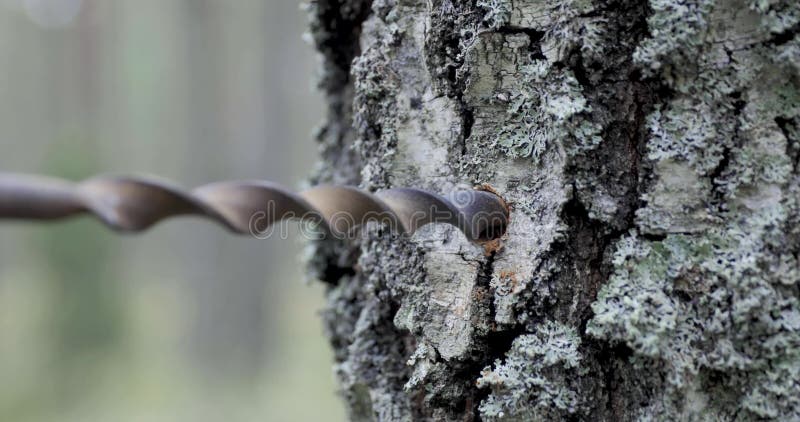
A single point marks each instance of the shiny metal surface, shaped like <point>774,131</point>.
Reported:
<point>131,204</point>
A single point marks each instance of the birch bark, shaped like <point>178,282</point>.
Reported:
<point>650,153</point>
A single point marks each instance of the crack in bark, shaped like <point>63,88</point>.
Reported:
<point>590,242</point>
<point>783,37</point>
<point>717,174</point>
<point>792,148</point>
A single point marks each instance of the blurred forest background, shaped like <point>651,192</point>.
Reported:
<point>185,322</point>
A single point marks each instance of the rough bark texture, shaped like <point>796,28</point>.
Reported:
<point>650,152</point>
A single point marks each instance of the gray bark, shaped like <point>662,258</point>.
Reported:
<point>649,151</point>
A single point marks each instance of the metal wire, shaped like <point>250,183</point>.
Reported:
<point>131,204</point>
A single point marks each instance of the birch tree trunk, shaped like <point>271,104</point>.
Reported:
<point>649,151</point>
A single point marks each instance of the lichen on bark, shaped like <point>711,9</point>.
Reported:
<point>535,380</point>
<point>705,290</point>
<point>649,151</point>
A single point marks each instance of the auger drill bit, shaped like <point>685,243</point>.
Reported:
<point>131,204</point>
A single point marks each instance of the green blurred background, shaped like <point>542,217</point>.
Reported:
<point>185,322</point>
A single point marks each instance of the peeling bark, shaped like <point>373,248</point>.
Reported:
<point>649,151</point>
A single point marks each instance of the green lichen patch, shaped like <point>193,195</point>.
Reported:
<point>694,306</point>
<point>678,32</point>
<point>374,106</point>
<point>543,111</point>
<point>689,131</point>
<point>497,12</point>
<point>537,379</point>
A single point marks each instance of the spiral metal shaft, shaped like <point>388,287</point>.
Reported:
<point>133,204</point>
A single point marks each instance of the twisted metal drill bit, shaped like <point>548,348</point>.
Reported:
<point>131,204</point>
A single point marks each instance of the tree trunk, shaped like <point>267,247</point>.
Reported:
<point>649,151</point>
